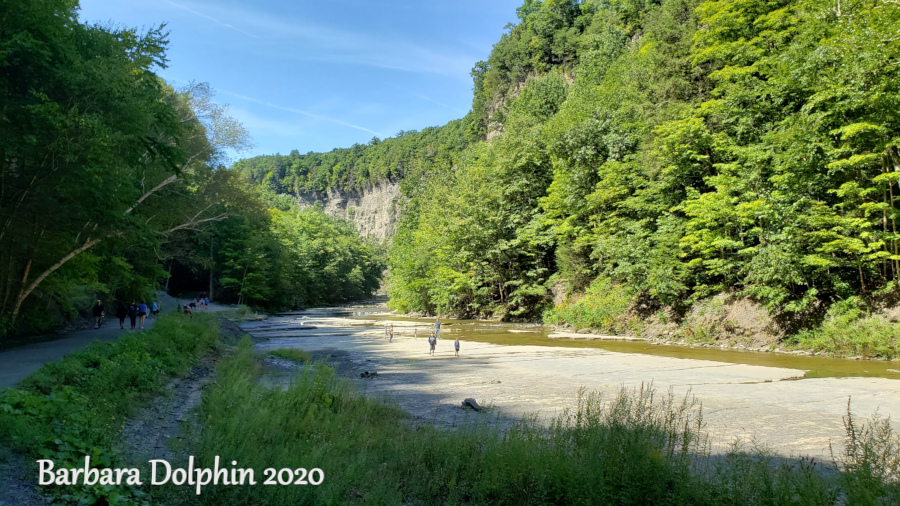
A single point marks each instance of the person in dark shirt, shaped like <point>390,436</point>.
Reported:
<point>99,312</point>
<point>121,313</point>
<point>133,314</point>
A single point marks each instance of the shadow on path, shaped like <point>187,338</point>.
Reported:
<point>18,363</point>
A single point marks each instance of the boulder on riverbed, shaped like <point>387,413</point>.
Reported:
<point>470,403</point>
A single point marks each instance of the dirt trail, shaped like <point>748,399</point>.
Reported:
<point>740,401</point>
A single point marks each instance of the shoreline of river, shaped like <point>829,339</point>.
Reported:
<point>782,400</point>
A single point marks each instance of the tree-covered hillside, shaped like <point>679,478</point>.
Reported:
<point>412,152</point>
<point>662,150</point>
<point>678,148</point>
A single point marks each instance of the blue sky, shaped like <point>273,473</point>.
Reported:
<point>314,76</point>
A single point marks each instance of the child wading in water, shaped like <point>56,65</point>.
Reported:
<point>392,334</point>
<point>456,345</point>
<point>432,342</point>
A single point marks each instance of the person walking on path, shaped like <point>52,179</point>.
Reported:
<point>188,310</point>
<point>456,345</point>
<point>121,313</point>
<point>432,342</point>
<point>133,314</point>
<point>142,313</point>
<point>99,312</point>
<point>154,308</point>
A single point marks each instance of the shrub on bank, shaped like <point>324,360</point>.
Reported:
<point>603,307</point>
<point>849,331</point>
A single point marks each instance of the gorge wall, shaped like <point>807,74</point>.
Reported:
<point>375,209</point>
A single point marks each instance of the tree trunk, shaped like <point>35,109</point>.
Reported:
<point>26,291</point>
<point>171,264</point>
<point>212,266</point>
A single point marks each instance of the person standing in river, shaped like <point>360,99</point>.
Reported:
<point>415,332</point>
<point>437,329</point>
<point>432,342</point>
<point>456,345</point>
<point>391,339</point>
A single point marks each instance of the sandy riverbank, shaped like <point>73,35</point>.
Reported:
<point>789,415</point>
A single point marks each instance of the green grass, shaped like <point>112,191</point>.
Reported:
<point>239,313</point>
<point>637,447</point>
<point>77,406</point>
<point>293,354</point>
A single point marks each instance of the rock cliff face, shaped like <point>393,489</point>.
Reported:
<point>375,210</point>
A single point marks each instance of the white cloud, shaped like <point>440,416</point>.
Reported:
<point>300,112</point>
<point>210,18</point>
<point>305,41</point>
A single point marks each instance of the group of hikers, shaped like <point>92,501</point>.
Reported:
<point>136,312</point>
<point>201,302</point>
<point>432,339</point>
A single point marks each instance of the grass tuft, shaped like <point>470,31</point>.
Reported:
<point>293,354</point>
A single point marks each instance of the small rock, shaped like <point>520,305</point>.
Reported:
<point>367,374</point>
<point>470,403</point>
<point>893,371</point>
<point>583,331</point>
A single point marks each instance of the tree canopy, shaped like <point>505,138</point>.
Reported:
<point>107,174</point>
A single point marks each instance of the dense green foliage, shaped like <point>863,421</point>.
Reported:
<point>100,161</point>
<point>279,255</point>
<point>77,407</point>
<point>679,148</point>
<point>107,174</point>
<point>407,153</point>
<point>637,447</point>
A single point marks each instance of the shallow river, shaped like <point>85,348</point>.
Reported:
<point>537,335</point>
<point>792,404</point>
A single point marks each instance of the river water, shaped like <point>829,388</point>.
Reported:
<point>537,335</point>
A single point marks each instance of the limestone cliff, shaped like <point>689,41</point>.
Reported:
<point>374,209</point>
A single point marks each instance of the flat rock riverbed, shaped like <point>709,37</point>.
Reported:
<point>775,406</point>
